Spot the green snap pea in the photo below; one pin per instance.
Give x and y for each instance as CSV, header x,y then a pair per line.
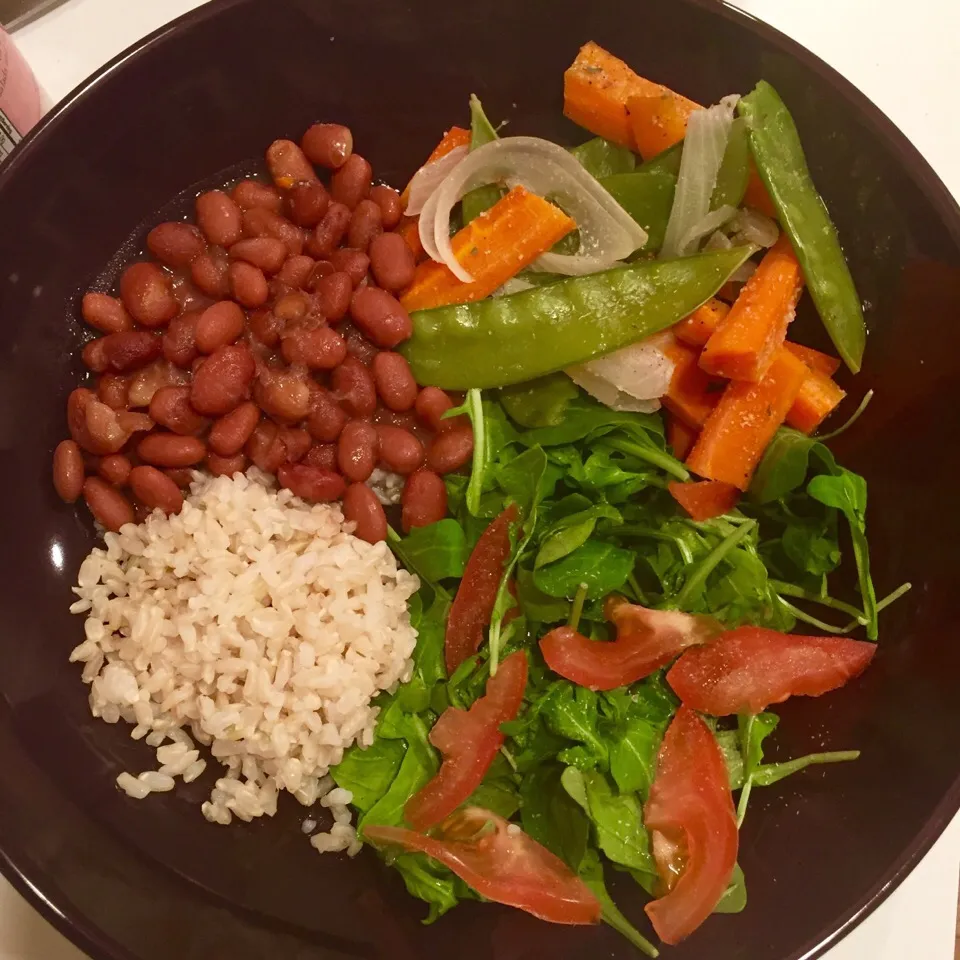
x,y
601,158
779,157
734,173
505,340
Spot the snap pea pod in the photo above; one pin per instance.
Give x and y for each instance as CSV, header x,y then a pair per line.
x,y
481,131
505,340
734,173
779,157
601,158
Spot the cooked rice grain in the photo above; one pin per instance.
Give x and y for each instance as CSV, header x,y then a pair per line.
x,y
254,624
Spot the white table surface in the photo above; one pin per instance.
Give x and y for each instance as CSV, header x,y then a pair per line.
x,y
903,56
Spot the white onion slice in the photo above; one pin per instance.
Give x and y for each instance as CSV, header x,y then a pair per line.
x,y
751,226
429,177
609,395
718,241
712,222
513,285
607,232
703,148
744,272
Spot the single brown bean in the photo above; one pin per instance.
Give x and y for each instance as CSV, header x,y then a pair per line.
x,y
400,450
391,207
265,326
365,224
219,325
362,508
68,470
219,217
322,455
432,403
353,386
250,194
321,269
77,415
310,483
209,273
115,469
180,339
170,450
265,447
351,183
106,313
357,344
108,505
170,407
357,450
394,380
423,501
131,350
354,263
155,489
113,389
297,442
308,203
220,383
283,395
333,294
319,349
327,144
248,285
176,244
296,271
267,253
231,432
288,164
226,466
407,420
329,231
451,450
292,307
147,294
380,316
392,262
94,355
181,476
326,417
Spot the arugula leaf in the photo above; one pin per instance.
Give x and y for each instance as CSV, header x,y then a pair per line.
x,y
601,158
811,544
429,668
784,466
729,743
633,756
591,872
367,773
428,881
566,533
438,550
541,402
498,791
753,730
617,818
482,131
603,567
572,712
734,899
551,817
537,605
770,773
586,419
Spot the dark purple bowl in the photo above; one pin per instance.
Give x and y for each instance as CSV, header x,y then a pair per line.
x,y
153,880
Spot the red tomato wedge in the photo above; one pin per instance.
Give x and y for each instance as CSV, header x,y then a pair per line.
x,y
501,863
646,640
705,499
695,839
749,668
473,605
468,740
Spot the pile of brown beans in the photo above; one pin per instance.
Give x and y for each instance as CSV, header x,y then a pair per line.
x,y
264,334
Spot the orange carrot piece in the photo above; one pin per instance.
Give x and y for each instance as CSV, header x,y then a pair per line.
x,y
756,195
453,138
700,325
704,499
744,421
814,359
493,248
658,122
819,396
680,436
745,343
409,229
596,89
692,394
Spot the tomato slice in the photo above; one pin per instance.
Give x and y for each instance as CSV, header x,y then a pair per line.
x,y
749,668
695,839
705,499
473,605
468,740
646,640
501,863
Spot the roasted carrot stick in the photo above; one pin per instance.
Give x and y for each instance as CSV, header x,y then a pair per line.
x,y
756,195
700,325
493,247
658,122
745,343
409,229
744,421
454,137
704,499
814,359
692,394
819,396
680,436
596,89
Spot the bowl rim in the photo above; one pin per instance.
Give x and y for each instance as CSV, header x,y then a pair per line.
x,y
16,866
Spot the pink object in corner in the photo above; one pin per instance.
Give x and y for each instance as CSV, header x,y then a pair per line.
x,y
19,96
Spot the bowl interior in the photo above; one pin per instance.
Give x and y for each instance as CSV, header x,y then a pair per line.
x,y
154,879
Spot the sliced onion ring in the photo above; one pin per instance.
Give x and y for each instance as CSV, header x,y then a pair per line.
x,y
607,232
426,180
